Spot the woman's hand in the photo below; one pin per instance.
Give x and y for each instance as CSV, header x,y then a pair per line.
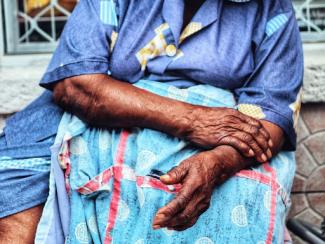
x,y
212,127
105,102
199,175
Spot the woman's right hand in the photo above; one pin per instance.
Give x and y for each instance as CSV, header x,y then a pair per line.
x,y
212,127
104,102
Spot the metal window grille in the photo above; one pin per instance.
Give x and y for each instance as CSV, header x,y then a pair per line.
x,y
311,19
34,26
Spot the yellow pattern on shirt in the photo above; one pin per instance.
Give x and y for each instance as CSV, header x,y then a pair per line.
x,y
189,30
251,110
114,36
295,107
155,47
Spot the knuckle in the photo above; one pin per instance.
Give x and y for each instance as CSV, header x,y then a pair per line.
x,y
185,217
169,210
264,144
248,138
182,200
266,133
258,150
175,173
254,130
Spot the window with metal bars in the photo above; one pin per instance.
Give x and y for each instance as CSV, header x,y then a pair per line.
x,y
34,26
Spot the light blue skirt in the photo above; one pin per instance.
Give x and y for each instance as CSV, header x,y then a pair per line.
x,y
114,197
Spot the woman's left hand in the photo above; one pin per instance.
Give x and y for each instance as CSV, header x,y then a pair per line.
x,y
199,175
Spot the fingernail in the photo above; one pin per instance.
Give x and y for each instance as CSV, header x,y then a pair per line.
x,y
156,227
264,158
160,216
165,178
269,153
251,152
270,143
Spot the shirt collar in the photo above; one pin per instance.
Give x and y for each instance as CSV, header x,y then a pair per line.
x,y
173,14
207,14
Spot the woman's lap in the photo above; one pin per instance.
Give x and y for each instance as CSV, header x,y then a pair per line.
x,y
111,181
249,207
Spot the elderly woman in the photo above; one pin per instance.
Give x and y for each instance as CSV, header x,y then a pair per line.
x,y
175,116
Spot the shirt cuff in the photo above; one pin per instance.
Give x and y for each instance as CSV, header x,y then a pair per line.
x,y
259,112
73,69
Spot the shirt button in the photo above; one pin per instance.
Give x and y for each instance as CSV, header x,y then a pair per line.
x,y
171,50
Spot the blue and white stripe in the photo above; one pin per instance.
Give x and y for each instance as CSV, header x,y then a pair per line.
x,y
108,13
275,23
37,164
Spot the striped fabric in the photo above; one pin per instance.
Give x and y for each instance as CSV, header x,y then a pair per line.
x,y
108,12
275,23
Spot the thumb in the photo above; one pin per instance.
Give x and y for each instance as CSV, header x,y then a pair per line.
x,y
176,175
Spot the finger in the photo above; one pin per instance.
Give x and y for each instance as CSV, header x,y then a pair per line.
x,y
258,124
238,144
267,135
176,205
192,211
177,174
259,153
185,225
249,119
258,134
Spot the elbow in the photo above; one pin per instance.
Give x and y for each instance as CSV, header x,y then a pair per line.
x,y
72,95
63,92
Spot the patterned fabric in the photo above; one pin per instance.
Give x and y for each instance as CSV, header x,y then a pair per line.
x,y
114,196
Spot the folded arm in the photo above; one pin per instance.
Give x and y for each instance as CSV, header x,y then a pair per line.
x,y
105,102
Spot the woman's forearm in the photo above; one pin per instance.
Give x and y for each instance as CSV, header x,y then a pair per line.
x,y
108,103
104,102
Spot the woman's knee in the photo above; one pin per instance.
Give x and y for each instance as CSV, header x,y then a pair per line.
x,y
20,227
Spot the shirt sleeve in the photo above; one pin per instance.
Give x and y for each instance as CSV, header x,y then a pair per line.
x,y
273,91
84,46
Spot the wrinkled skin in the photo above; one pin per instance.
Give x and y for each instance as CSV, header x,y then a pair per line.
x,y
212,127
233,140
199,175
121,105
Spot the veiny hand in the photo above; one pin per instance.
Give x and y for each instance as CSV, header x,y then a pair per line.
x,y
212,127
198,175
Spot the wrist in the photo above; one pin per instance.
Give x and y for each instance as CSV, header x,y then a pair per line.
x,y
183,120
230,159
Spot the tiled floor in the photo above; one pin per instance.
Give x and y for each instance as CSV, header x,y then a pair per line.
x,y
308,193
